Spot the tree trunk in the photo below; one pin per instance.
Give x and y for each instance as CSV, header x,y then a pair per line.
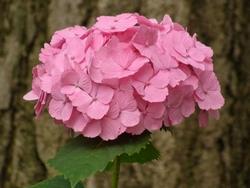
x,y
216,156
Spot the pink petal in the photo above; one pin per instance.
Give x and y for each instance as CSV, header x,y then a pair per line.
x,y
213,101
138,63
111,70
187,107
92,129
56,92
128,103
55,109
96,40
205,49
176,75
65,33
179,57
69,78
97,110
196,54
156,110
41,103
175,116
191,80
139,87
146,36
195,64
167,21
130,119
123,56
200,94
66,111
152,124
85,83
127,36
160,80
75,49
114,110
136,130
105,94
209,81
141,104
95,74
30,96
175,98
117,23
68,89
152,23
79,30
80,98
144,74
46,83
178,27
77,121
153,94
111,129
162,60
188,41
180,48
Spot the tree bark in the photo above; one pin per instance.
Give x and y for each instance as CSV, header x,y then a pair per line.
x,y
216,156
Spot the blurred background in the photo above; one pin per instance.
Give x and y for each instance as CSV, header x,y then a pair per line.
x,y
215,156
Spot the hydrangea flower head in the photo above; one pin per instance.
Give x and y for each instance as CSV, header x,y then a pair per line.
x,y
126,73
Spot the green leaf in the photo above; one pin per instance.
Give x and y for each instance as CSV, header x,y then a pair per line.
x,y
146,154
56,182
82,157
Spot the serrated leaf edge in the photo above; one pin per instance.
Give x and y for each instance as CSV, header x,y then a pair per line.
x,y
73,184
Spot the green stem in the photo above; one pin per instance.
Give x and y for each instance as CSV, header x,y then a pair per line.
x,y
116,171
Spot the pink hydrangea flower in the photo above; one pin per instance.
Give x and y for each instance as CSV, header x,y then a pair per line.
x,y
125,74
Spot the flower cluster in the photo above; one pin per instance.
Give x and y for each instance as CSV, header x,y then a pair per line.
x,y
126,73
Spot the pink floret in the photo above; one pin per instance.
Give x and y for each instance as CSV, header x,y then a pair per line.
x,y
125,74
